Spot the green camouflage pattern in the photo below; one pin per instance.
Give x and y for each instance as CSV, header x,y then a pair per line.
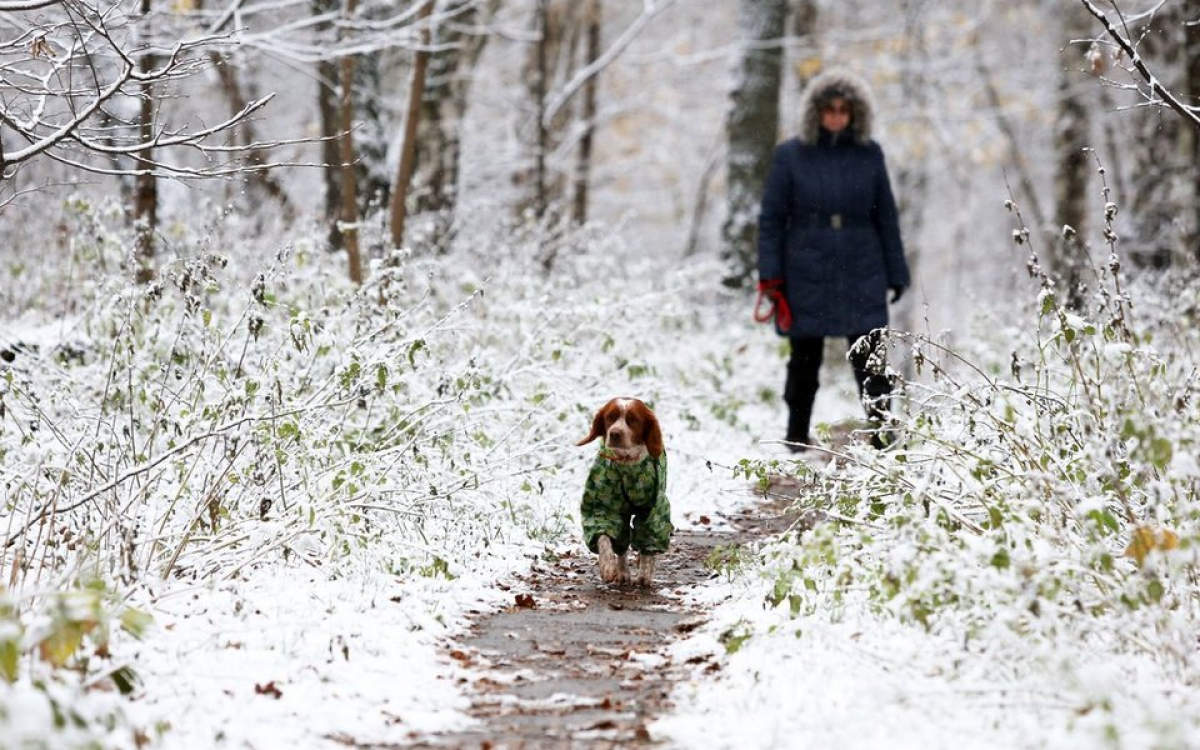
x,y
628,504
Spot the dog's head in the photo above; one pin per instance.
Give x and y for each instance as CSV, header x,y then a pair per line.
x,y
629,429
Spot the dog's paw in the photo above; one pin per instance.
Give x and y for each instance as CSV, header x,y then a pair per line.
x,y
622,570
645,572
611,564
609,568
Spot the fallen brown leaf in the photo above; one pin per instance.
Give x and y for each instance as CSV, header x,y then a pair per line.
x,y
687,626
268,689
525,601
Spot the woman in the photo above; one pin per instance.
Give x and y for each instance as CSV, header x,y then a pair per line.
x,y
829,246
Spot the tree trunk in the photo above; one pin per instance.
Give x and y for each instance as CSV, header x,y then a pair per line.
x,y
374,135
434,186
1159,195
752,126
1191,149
327,106
145,191
1071,135
584,165
541,144
408,144
349,192
551,60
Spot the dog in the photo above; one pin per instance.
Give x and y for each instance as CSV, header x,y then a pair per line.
x,y
625,498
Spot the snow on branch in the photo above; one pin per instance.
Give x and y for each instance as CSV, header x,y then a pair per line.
x,y
1157,89
648,14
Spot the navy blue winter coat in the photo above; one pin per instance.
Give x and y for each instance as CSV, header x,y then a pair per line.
x,y
828,227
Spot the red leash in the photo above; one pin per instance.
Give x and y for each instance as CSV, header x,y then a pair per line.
x,y
772,291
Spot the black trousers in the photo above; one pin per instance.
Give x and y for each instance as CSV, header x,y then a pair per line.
x,y
867,358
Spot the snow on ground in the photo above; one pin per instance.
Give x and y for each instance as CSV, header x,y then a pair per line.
x,y
289,658
869,683
283,653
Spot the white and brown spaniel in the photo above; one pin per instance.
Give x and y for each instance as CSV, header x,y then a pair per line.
x,y
625,498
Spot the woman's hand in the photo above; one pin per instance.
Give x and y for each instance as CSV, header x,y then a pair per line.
x,y
771,290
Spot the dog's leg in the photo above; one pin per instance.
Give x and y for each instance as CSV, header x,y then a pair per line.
x,y
623,568
645,572
611,564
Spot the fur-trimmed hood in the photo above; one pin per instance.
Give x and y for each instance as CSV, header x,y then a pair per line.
x,y
830,84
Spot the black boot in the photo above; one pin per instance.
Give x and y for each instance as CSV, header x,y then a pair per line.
x,y
797,429
800,390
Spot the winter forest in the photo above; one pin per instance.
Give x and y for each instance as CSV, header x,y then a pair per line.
x,y
306,305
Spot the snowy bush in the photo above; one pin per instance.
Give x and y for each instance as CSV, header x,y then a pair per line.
x,y
1043,501
252,408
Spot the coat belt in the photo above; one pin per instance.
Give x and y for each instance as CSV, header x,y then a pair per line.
x,y
818,220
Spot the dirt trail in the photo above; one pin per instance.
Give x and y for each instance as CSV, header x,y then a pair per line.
x,y
576,663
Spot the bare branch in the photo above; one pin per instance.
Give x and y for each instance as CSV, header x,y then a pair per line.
x,y
188,139
1135,59
649,13
16,6
66,129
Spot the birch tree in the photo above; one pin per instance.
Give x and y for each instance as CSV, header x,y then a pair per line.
x,y
752,126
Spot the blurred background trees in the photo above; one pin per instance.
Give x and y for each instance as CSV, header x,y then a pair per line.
x,y
658,113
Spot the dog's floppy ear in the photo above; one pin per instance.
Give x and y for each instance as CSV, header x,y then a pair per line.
x,y
597,428
653,433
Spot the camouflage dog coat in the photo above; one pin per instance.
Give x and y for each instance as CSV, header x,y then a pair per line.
x,y
628,504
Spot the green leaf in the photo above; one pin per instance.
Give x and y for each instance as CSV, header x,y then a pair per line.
x,y
1105,520
995,518
733,641
1047,304
62,643
350,374
10,657
135,622
125,679
1161,452
1001,560
413,349
1154,590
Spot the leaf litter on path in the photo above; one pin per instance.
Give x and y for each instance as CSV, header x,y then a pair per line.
x,y
578,663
